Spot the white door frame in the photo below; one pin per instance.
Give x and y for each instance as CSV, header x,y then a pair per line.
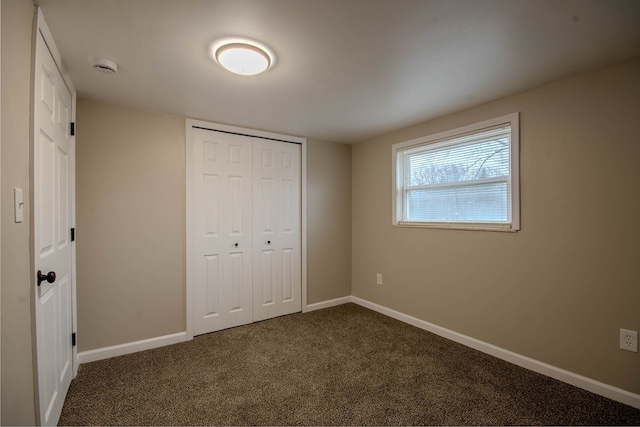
x,y
190,124
0,188
42,28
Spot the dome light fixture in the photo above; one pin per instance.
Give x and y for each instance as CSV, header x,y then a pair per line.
x,y
242,56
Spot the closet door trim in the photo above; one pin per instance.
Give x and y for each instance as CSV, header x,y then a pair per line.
x,y
190,273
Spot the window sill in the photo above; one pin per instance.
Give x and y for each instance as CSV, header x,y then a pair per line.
x,y
458,226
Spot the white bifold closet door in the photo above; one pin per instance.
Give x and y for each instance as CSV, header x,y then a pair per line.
x,y
223,227
277,260
246,226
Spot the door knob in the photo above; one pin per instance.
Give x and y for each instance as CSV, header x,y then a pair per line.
x,y
268,242
236,245
50,277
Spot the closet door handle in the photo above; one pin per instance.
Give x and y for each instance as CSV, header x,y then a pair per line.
x,y
235,245
268,242
50,277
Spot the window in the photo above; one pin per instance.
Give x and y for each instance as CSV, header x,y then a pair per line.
x,y
466,178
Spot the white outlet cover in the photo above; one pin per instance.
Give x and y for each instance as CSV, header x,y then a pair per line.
x,y
379,279
629,340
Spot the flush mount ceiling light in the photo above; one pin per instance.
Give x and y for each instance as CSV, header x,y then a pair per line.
x,y
242,56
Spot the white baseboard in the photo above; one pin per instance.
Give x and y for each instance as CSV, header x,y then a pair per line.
x,y
328,303
131,347
568,377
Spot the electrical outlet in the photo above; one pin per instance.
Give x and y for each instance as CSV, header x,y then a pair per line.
x,y
629,340
379,279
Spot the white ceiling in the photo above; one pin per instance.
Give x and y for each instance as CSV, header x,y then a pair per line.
x,y
346,70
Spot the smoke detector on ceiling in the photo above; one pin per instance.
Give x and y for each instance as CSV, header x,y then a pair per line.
x,y
104,65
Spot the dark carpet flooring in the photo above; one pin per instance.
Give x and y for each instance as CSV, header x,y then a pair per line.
x,y
345,365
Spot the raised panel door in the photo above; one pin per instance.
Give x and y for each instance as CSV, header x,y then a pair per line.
x,y
222,209
52,245
276,228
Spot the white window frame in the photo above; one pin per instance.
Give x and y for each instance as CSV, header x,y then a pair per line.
x,y
514,164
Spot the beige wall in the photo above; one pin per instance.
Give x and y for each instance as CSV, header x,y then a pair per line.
x,y
328,221
557,291
131,223
130,211
17,369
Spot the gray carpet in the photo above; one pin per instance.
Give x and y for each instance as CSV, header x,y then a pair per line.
x,y
344,365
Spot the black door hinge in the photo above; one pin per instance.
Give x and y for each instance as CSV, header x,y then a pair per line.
x,y
73,234
73,128
73,339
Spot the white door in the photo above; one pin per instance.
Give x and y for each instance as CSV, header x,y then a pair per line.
x,y
276,229
222,227
52,226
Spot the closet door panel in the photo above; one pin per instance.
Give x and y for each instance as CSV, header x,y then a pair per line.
x,y
289,229
265,224
223,227
277,279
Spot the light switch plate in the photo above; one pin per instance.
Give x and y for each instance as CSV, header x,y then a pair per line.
x,y
19,204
